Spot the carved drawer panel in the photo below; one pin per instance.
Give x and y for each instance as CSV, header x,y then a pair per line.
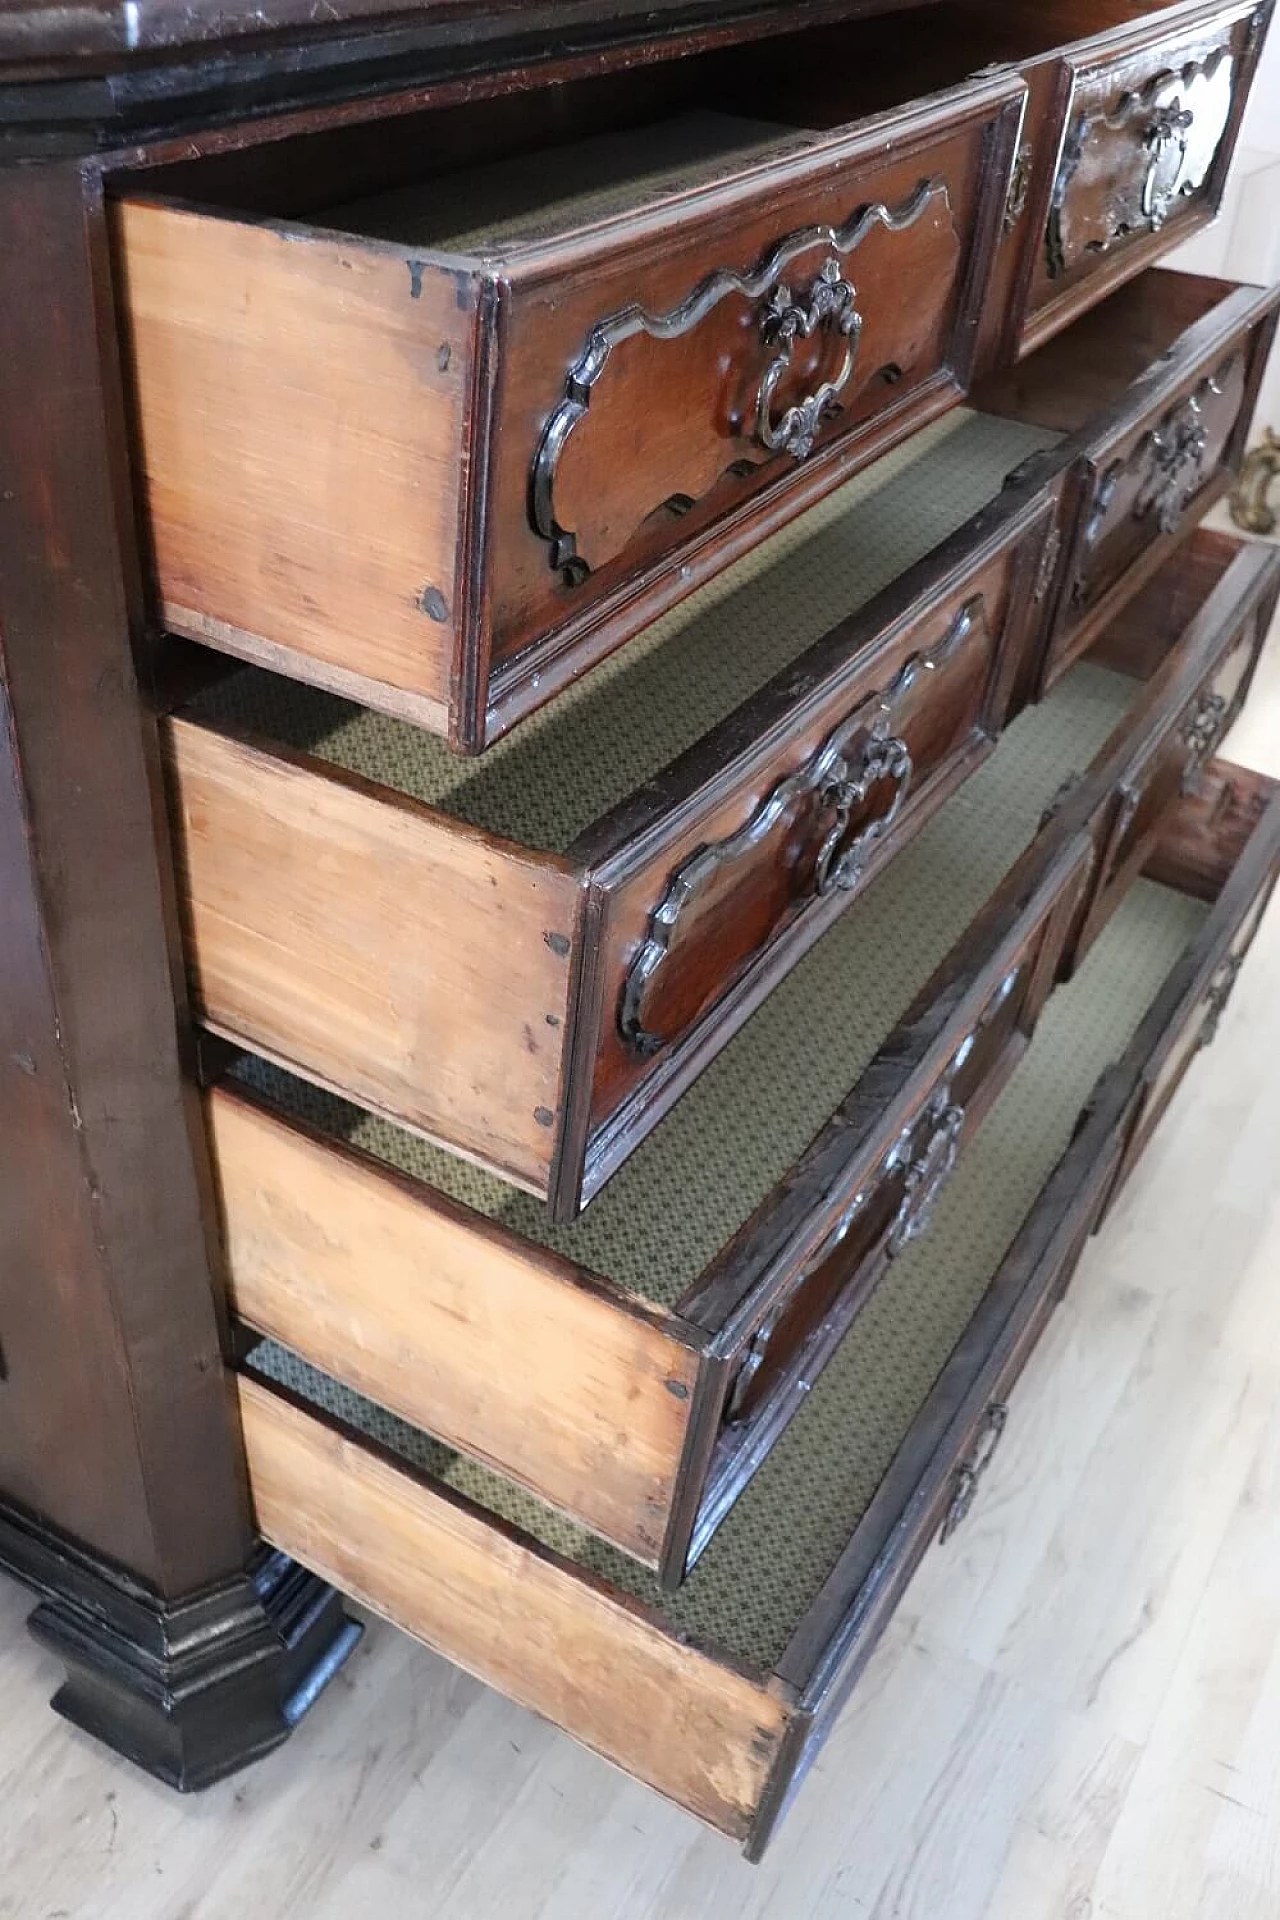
x,y
1155,389
530,958
1221,843
718,1694
442,447
1194,636
1148,130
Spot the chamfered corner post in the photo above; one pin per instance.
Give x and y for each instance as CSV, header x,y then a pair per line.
x,y
123,1504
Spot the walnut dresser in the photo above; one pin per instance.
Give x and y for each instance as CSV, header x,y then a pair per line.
x,y
612,829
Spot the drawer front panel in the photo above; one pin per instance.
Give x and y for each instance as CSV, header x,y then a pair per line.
x,y
896,1206
873,1179
750,875
1152,483
1169,767
418,966
733,350
1147,142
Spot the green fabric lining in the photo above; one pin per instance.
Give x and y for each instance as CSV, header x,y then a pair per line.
x,y
619,725
487,210
659,1221
769,1560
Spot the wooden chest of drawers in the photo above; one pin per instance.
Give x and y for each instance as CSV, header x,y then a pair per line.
x,y
641,1159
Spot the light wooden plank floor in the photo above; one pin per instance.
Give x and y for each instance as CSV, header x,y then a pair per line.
x,y
1076,1715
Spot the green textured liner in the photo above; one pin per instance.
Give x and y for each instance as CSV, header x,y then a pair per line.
x,y
736,1131
771,1556
489,209
618,726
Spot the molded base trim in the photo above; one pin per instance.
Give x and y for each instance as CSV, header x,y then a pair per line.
x,y
190,1690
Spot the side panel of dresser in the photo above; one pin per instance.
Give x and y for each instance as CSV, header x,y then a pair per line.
x,y
114,1426
304,411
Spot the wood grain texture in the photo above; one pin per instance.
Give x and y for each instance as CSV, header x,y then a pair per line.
x,y
115,1423
486,1340
301,404
1100,225
399,956
1075,1705
695,1730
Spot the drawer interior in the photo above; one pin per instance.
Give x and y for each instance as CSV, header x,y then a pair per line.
x,y
615,142
721,1150
1073,379
620,724
1137,638
752,1587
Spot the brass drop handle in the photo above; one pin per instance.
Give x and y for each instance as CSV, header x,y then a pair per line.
x,y
829,305
926,1176
969,1473
1166,135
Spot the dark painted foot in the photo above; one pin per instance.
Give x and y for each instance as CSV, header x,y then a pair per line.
x,y
190,1690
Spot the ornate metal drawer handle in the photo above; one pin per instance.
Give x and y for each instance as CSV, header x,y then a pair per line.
x,y
1201,734
926,1176
884,757
1249,507
1178,454
851,762
1169,128
969,1473
1220,990
829,305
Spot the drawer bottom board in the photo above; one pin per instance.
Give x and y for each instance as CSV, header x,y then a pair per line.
x,y
753,1596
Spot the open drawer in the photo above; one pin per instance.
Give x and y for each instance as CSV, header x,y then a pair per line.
x,y
1125,144
718,1695
1191,638
440,446
1147,119
1155,389
1220,844
531,958
635,1366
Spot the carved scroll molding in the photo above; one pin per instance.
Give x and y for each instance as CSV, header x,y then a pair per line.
x,y
1177,120
829,303
1169,464
862,753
